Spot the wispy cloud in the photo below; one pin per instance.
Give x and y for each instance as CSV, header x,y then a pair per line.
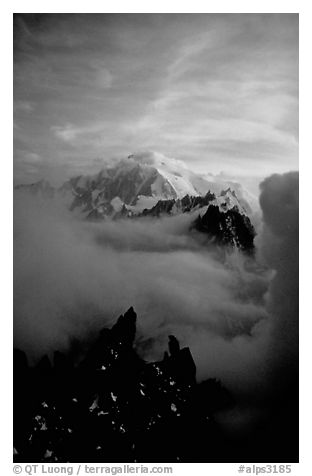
x,y
67,133
103,78
23,106
218,91
32,157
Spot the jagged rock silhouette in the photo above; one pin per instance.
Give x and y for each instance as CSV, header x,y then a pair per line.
x,y
182,205
227,227
113,406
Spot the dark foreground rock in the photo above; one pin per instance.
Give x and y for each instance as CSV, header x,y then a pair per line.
x,y
115,407
106,404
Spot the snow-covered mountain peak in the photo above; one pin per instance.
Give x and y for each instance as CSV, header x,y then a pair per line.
x,y
158,161
228,200
139,182
174,171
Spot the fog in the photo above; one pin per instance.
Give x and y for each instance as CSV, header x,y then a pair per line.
x,y
238,314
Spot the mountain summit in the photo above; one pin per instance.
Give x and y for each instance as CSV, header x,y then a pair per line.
x,y
152,185
139,182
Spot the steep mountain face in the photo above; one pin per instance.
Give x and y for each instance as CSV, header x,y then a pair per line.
x,y
115,407
227,227
127,181
225,201
147,185
152,185
222,217
137,182
179,205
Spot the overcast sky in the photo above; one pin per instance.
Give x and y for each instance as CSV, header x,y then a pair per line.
x,y
217,91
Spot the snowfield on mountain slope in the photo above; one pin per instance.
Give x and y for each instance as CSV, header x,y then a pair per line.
x,y
228,200
140,181
181,178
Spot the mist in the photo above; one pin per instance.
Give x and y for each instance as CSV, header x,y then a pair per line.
x,y
237,314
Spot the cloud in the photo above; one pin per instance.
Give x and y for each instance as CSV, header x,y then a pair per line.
x,y
81,136
32,158
67,133
239,316
24,106
208,89
103,78
279,244
71,275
